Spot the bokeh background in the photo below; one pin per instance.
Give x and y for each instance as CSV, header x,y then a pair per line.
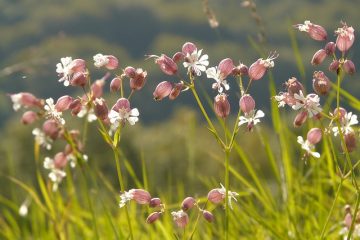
x,y
171,138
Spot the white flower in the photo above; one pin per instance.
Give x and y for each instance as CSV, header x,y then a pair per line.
x,y
310,103
89,113
124,115
42,139
51,111
231,195
304,27
195,62
16,99
100,60
56,175
216,74
251,118
308,147
280,99
126,197
64,69
346,123
24,208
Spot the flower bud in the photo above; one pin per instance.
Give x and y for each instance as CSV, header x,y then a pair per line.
x,y
60,160
79,79
179,56
167,65
215,196
141,196
188,48
75,106
188,203
138,81
349,67
240,70
153,217
294,86
100,108
24,99
318,57
181,218
350,141
345,37
78,65
300,118
97,88
321,83
314,135
121,103
29,117
221,106
154,202
63,103
247,103
258,69
334,66
162,90
113,62
208,216
130,72
330,48
115,84
175,92
51,128
225,67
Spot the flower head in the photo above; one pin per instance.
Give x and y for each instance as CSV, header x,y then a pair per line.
x,y
121,112
67,67
139,195
308,147
219,74
51,111
345,37
109,61
258,69
218,194
194,62
252,118
310,103
348,120
316,32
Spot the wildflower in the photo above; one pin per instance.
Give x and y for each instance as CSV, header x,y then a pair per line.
x,y
349,67
139,195
115,84
180,218
208,216
100,108
175,91
29,117
130,72
293,86
41,139
24,99
56,175
162,90
138,81
97,88
166,64
51,128
79,79
309,103
285,98
109,61
318,57
300,118
63,103
345,37
316,32
121,112
219,74
321,83
218,194
155,202
247,103
64,70
221,105
258,69
194,62
346,122
188,203
334,66
313,137
52,112
251,118
330,48
153,217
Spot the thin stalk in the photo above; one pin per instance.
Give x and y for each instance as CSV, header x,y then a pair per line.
x,y
227,183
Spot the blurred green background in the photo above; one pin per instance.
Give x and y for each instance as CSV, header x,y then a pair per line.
x,y
175,144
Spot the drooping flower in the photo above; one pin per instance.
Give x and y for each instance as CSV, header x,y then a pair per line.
x,y
258,69
121,112
217,195
252,118
220,73
109,61
221,105
310,103
139,195
24,99
316,32
51,111
194,62
345,37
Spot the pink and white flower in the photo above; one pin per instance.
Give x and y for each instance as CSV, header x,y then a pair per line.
x,y
346,122
121,112
194,62
220,73
56,175
252,118
51,112
310,103
308,147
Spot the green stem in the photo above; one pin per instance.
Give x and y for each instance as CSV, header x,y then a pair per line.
x,y
227,183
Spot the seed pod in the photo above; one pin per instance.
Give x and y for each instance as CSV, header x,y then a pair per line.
x,y
318,57
221,106
321,83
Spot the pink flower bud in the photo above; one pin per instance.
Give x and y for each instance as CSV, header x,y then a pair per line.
x,y
240,70
63,103
294,86
29,117
78,65
113,62
24,99
334,66
141,196
100,108
300,118
138,81
175,92
247,103
321,83
345,37
330,48
155,202
60,160
51,128
180,218
115,84
314,135
188,48
179,56
79,79
316,32
215,196
350,141
153,217
97,88
130,72
208,216
188,203
318,57
258,69
162,90
225,67
121,103
221,106
75,106
349,67
167,65
348,220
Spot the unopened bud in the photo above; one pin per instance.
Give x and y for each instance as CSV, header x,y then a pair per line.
x,y
221,106
100,108
78,65
215,196
225,67
51,128
153,217
138,81
167,65
208,216
300,118
314,135
130,72
162,90
188,48
179,56
330,48
115,84
28,117
318,57
113,62
79,79
321,83
247,103
294,86
63,103
334,66
349,67
155,202
188,203
60,160
175,92
350,141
